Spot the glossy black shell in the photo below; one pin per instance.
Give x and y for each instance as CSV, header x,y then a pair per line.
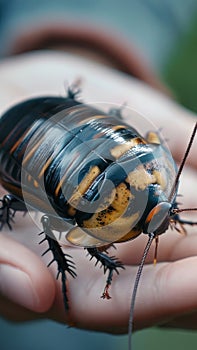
x,y
60,157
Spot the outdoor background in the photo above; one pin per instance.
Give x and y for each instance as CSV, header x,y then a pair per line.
x,y
166,34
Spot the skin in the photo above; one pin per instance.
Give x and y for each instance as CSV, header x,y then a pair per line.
x,y
167,291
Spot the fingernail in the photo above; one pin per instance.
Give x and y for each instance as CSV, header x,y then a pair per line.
x,y
17,286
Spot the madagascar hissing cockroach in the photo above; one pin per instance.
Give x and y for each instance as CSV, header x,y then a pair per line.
x,y
90,171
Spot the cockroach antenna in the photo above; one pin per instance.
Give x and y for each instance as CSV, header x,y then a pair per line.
x,y
154,235
176,182
135,288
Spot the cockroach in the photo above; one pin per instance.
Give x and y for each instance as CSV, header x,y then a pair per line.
x,y
89,171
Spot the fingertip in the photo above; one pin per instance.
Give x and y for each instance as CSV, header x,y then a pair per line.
x,y
165,292
24,279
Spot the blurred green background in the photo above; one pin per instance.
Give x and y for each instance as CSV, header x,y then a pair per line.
x,y
166,33
180,72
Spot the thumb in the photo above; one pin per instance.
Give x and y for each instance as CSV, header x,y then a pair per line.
x,y
24,279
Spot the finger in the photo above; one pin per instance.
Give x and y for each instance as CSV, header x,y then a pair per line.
x,y
172,246
179,144
24,279
166,291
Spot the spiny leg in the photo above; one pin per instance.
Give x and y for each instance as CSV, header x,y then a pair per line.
x,y
109,263
187,222
9,205
64,264
117,111
176,220
74,90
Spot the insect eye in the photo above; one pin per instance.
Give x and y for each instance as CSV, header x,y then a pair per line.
x,y
157,220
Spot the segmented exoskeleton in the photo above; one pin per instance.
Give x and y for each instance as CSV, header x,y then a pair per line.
x,y
88,171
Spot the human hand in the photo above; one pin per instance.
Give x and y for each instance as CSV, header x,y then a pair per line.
x,y
167,292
